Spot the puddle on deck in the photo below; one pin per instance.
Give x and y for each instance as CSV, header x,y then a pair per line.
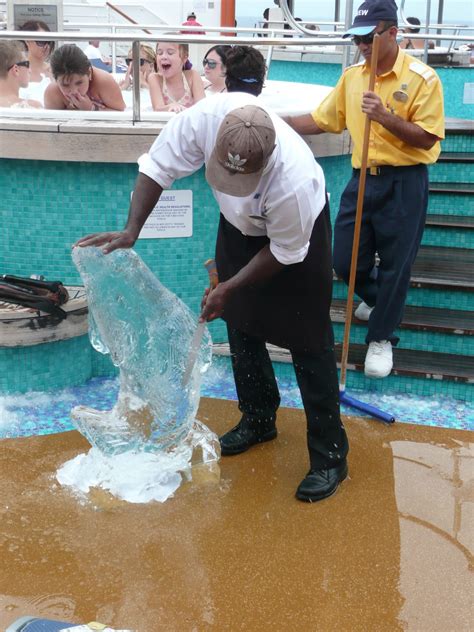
x,y
392,550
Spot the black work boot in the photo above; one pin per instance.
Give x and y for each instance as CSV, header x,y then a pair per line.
x,y
247,432
319,484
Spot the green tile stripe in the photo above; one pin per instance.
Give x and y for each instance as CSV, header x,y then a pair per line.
x,y
452,172
392,384
427,297
451,204
448,237
418,340
458,143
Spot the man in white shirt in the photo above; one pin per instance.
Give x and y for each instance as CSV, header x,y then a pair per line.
x,y
273,258
92,51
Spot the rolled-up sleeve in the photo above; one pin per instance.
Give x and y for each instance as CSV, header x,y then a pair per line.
x,y
178,151
330,115
428,107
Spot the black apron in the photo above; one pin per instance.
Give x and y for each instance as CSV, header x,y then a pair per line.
x,y
291,310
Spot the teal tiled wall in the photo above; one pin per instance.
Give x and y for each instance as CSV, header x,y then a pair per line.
x,y
427,297
452,172
51,204
391,384
44,367
419,340
451,203
458,143
322,74
457,238
46,206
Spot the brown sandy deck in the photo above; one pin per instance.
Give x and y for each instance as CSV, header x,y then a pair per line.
x,y
392,550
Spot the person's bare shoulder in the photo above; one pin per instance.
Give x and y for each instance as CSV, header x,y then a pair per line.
x,y
196,83
155,79
102,77
108,90
53,98
192,75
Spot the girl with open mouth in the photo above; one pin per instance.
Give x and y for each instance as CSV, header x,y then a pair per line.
x,y
172,88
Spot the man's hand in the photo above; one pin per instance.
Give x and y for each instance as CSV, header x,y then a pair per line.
x,y
262,267
408,132
374,108
145,196
111,241
214,301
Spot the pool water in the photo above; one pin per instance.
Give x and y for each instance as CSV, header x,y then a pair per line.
x,y
46,413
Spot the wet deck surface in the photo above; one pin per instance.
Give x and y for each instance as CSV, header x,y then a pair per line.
x,y
392,550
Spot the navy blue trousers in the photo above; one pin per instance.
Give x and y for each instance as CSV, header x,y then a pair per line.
x,y
316,374
393,220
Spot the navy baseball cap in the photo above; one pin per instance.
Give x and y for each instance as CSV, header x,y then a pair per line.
x,y
370,13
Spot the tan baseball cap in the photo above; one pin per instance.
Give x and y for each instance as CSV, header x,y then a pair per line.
x,y
245,141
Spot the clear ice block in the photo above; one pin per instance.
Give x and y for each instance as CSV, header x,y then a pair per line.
x,y
147,330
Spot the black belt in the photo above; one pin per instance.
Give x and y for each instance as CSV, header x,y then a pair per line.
x,y
383,169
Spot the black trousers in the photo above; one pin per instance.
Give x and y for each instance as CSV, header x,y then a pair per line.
x,y
317,379
393,220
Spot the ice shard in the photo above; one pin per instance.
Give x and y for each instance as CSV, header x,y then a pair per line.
x,y
147,330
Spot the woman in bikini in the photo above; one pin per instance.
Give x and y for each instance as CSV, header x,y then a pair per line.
x,y
172,88
79,86
147,67
214,69
38,52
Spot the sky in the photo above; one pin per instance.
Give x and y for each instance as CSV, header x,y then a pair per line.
x,y
455,11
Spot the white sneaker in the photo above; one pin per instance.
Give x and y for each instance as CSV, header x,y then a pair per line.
x,y
379,359
363,311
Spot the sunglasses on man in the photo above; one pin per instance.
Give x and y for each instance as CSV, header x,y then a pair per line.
x,y
367,39
25,64
129,60
43,44
209,62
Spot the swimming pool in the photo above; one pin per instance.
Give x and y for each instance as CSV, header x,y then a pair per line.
x,y
41,413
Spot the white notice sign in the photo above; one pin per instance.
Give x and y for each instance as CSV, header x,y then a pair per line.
x,y
171,217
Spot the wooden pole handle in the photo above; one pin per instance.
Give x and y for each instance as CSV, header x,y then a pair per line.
x,y
358,220
211,268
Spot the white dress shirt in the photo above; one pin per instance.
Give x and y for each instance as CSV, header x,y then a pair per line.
x,y
291,192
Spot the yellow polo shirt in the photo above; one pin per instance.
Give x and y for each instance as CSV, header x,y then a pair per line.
x,y
411,90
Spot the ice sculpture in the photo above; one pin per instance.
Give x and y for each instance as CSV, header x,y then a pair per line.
x,y
148,331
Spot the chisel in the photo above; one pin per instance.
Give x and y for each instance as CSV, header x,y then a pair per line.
x,y
210,266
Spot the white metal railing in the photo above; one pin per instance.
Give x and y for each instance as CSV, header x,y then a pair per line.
x,y
167,33
172,33
299,26
113,28
266,34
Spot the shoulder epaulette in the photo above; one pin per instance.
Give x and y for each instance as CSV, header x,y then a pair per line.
x,y
360,63
424,71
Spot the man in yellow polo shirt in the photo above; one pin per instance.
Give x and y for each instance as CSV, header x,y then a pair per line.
x,y
406,111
